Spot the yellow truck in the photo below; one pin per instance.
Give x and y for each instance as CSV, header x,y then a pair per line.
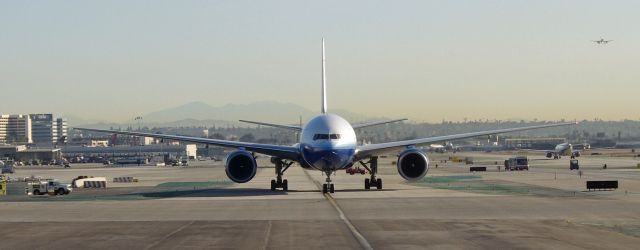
x,y
3,185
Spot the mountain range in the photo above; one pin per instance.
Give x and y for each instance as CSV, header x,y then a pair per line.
x,y
203,114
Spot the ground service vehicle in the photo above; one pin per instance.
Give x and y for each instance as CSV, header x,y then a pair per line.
x,y
3,186
573,164
516,163
8,169
48,187
356,170
7,166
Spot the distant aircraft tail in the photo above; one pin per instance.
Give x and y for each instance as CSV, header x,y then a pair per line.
x,y
324,82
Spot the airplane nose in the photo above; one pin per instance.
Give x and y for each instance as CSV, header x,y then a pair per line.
x,y
329,159
333,157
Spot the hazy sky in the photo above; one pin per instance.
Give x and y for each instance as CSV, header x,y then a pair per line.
x,y
426,60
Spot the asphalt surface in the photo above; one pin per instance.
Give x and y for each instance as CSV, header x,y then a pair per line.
x,y
195,208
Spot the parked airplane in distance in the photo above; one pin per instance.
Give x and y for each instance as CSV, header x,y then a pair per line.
x,y
563,149
442,148
327,143
602,41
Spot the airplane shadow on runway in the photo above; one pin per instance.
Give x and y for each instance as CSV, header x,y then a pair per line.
x,y
236,192
211,192
363,190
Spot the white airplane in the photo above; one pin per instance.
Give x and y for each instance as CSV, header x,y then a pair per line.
x,y
563,149
328,144
441,148
602,41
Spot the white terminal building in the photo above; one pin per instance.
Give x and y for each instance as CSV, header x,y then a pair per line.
x,y
39,129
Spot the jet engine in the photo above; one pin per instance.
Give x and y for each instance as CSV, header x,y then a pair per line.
x,y
549,155
241,166
413,164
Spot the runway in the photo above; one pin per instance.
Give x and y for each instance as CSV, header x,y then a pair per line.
x,y
551,213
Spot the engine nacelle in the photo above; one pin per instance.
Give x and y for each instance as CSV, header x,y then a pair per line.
x,y
549,155
413,164
240,166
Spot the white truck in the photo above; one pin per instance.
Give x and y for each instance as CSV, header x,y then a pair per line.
x,y
48,187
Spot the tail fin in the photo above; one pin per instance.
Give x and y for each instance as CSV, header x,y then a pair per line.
x,y
324,82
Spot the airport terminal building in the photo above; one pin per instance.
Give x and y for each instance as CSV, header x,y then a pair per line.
x,y
22,153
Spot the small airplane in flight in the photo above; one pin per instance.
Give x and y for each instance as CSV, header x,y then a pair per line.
x,y
602,41
327,143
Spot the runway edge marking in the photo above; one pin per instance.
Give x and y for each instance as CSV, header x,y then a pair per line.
x,y
361,239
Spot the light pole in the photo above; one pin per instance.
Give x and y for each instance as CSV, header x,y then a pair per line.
x,y
139,119
141,143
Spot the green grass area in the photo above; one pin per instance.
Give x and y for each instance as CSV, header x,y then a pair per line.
x,y
475,184
449,179
628,228
631,230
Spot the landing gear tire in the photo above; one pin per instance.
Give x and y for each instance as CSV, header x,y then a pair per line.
x,y
280,168
284,184
373,170
331,189
324,188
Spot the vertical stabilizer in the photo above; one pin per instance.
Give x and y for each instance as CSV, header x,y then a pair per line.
x,y
324,82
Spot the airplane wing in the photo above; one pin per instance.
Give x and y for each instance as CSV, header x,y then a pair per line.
x,y
364,125
366,151
285,152
292,127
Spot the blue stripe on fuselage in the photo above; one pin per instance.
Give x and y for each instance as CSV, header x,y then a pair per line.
x,y
327,158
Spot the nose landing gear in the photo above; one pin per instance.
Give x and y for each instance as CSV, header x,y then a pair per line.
x,y
328,187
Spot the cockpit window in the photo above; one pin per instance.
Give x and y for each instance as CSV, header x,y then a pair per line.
x,y
320,137
326,137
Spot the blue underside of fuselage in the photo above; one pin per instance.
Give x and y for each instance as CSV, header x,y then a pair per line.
x,y
327,158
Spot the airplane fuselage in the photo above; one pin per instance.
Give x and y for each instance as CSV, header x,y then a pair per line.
x,y
564,149
327,143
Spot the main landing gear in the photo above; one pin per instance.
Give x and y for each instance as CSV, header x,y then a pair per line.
x,y
328,187
373,169
281,166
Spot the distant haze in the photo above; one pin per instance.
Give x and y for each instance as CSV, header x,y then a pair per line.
x,y
424,60
260,111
